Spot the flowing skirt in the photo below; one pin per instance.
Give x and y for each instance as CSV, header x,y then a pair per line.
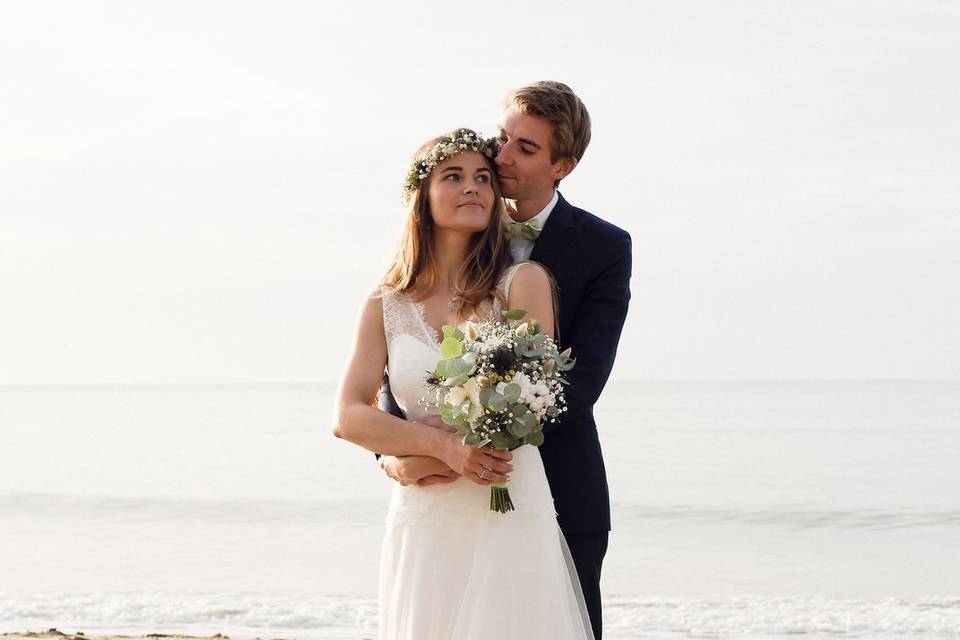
x,y
451,569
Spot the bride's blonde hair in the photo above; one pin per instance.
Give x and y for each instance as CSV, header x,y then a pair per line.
x,y
413,268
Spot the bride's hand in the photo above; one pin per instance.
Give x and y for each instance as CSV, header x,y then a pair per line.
x,y
482,465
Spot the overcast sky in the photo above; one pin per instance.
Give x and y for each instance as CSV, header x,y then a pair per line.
x,y
203,191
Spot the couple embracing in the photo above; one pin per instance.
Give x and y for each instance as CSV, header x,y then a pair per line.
x,y
487,231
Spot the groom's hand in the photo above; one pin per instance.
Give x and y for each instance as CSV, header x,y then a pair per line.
x,y
391,467
421,470
438,478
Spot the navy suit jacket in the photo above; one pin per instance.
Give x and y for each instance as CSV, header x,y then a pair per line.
x,y
591,261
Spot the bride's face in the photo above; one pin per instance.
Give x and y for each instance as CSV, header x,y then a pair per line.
x,y
461,193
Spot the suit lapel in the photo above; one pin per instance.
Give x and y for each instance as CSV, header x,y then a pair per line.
x,y
556,235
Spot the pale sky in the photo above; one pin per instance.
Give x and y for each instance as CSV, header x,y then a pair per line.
x,y
204,191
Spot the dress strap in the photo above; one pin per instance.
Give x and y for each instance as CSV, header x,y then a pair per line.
x,y
508,278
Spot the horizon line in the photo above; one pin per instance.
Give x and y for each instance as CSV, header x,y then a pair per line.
x,y
306,383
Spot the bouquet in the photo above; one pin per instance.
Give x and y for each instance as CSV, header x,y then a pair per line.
x,y
498,383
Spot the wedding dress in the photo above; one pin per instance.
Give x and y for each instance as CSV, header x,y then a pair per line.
x,y
450,568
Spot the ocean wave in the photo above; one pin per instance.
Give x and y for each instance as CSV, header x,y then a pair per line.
x,y
624,617
875,519
236,511
359,510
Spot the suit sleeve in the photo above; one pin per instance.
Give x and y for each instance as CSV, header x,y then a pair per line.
x,y
386,402
596,331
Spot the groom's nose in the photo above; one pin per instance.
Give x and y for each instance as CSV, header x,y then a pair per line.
x,y
504,155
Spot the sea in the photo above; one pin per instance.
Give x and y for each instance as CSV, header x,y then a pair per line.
x,y
764,510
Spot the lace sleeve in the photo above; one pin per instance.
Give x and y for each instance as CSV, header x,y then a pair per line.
x,y
393,315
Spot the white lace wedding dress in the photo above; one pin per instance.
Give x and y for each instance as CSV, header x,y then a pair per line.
x,y
450,568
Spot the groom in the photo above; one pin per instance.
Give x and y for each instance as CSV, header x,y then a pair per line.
x,y
544,132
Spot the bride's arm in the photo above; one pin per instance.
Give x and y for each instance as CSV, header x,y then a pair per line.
x,y
532,291
358,421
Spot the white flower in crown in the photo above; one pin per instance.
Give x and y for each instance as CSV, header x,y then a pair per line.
x,y
464,140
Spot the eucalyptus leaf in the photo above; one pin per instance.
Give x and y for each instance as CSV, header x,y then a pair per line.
x,y
471,439
451,367
535,438
451,348
456,381
514,314
511,393
518,409
504,441
497,402
519,428
529,421
446,413
485,394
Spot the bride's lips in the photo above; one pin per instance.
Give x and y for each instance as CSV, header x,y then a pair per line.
x,y
475,203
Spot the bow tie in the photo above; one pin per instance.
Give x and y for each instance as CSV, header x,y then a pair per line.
x,y
528,230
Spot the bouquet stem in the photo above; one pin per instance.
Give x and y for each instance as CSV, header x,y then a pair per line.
x,y
500,498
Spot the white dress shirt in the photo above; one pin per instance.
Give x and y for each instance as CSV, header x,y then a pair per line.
x,y
521,248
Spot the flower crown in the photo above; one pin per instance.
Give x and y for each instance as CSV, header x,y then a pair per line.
x,y
461,140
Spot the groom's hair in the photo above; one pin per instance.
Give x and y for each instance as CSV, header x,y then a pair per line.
x,y
556,103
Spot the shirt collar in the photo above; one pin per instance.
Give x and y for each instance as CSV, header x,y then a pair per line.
x,y
545,212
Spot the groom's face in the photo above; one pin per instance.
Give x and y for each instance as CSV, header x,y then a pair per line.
x,y
523,163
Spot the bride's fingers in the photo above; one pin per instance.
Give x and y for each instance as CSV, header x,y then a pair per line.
x,y
506,456
489,475
496,464
483,478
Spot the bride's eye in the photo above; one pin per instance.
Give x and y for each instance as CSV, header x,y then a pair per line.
x,y
452,176
483,178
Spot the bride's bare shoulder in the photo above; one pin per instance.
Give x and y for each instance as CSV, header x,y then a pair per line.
x,y
530,278
370,316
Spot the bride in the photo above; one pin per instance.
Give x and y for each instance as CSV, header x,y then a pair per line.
x,y
450,567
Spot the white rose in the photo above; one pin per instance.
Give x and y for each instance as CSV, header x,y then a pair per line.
x,y
456,396
472,389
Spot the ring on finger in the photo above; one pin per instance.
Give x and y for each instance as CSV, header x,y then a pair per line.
x,y
483,470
